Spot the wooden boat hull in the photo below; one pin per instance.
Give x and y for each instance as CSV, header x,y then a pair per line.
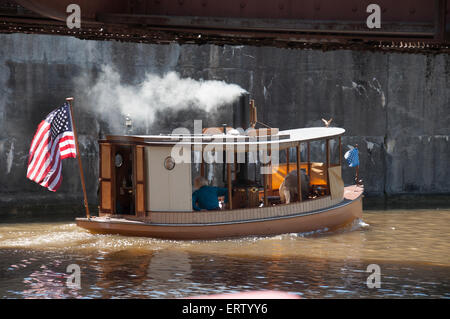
x,y
330,218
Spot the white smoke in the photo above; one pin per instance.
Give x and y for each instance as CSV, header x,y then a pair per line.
x,y
156,93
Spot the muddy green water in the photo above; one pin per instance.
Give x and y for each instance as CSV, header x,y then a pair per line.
x,y
412,249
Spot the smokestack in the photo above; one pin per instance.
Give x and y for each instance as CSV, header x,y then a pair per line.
x,y
253,114
241,119
241,115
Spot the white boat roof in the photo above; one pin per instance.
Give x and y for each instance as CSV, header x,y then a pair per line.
x,y
285,138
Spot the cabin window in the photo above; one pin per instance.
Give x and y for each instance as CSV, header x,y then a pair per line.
x,y
169,163
118,160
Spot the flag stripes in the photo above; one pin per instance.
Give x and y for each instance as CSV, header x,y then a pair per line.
x,y
53,141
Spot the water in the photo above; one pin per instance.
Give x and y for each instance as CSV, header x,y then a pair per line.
x,y
411,247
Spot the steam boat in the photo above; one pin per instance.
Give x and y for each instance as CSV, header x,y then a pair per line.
x,y
146,182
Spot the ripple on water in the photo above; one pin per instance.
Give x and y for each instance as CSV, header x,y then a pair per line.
x,y
414,239
412,249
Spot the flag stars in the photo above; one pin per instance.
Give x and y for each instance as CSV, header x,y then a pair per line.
x,y
59,122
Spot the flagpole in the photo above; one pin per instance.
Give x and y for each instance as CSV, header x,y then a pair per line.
x,y
88,215
357,168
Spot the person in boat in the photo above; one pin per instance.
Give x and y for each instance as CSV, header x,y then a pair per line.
x,y
288,188
207,197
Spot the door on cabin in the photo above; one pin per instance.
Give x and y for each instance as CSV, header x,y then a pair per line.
x,y
124,180
106,176
169,185
139,181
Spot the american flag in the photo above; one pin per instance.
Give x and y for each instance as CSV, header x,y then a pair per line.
x,y
54,141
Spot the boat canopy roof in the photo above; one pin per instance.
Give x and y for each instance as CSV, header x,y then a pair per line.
x,y
287,138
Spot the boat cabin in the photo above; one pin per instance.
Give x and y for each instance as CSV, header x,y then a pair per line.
x,y
151,177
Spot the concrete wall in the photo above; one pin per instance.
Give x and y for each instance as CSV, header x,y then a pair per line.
x,y
395,106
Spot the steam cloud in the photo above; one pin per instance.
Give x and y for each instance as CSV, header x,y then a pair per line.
x,y
156,93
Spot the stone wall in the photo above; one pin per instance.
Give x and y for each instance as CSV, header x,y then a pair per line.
x,y
395,106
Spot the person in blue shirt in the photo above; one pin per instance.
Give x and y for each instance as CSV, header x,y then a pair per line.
x,y
206,197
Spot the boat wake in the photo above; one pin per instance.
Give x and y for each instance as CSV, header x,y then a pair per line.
x,y
69,236
357,224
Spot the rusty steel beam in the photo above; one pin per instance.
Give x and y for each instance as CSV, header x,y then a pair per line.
x,y
280,29
99,32
405,11
406,24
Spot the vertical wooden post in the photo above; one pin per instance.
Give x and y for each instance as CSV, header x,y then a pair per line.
x,y
202,164
308,155
357,175
266,200
269,178
328,153
357,169
235,165
266,177
113,178
253,114
287,159
328,164
229,182
86,206
299,174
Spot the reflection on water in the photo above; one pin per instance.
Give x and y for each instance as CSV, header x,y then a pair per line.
x,y
411,247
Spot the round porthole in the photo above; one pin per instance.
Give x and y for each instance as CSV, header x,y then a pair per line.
x,y
169,163
118,161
